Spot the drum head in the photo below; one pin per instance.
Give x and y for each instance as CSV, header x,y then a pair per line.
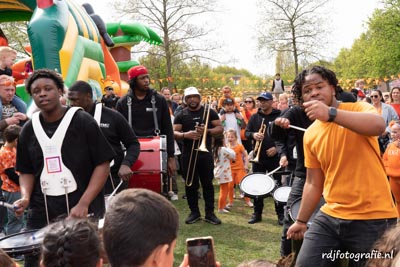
x,y
281,194
295,207
257,185
23,243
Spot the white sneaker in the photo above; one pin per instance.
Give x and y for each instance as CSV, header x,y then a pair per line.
x,y
223,211
250,204
174,197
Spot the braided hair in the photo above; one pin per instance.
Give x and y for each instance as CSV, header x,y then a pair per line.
x,y
325,73
71,243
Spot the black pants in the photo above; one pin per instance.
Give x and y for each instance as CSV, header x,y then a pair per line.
x,y
295,193
259,202
203,173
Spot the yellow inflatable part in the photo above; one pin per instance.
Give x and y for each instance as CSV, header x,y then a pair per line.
x,y
69,45
124,88
90,70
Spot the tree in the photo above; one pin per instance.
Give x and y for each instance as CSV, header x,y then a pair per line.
x,y
172,18
376,53
16,35
293,26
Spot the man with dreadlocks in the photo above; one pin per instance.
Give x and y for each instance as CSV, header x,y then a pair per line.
x,y
359,206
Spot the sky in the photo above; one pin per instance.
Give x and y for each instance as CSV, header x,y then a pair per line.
x,y
238,19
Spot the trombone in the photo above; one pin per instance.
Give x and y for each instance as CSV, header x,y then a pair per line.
x,y
200,146
257,147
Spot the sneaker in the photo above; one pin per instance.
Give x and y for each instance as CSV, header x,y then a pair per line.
x,y
227,208
249,203
192,218
211,218
19,258
241,195
174,197
223,211
229,205
255,218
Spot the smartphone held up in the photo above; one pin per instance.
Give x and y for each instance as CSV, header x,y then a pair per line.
x,y
201,251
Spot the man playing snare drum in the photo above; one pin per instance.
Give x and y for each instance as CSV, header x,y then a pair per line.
x,y
62,156
116,130
359,206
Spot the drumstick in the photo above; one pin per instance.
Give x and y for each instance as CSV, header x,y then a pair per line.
x,y
297,128
115,190
7,205
269,173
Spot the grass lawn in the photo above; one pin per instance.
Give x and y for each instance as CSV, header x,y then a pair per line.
x,y
235,240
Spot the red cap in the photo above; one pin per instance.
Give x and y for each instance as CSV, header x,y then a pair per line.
x,y
136,71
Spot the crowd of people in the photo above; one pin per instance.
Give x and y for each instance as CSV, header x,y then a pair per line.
x,y
61,162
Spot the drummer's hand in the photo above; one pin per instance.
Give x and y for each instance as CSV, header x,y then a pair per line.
x,y
296,231
20,205
171,162
283,161
125,172
282,122
79,211
271,151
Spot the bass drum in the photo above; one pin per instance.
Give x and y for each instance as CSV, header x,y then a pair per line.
x,y
295,207
23,243
257,185
151,166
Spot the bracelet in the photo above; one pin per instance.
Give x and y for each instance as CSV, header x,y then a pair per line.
x,y
300,221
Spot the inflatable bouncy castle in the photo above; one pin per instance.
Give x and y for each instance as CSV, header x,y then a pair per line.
x,y
75,42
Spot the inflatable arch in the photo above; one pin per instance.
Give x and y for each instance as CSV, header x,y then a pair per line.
x,y
75,42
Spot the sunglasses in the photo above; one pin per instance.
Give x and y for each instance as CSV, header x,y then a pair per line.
x,y
374,96
248,101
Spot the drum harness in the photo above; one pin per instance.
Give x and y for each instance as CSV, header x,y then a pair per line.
x,y
56,179
153,105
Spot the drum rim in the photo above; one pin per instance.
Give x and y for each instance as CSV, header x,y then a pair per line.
x,y
17,249
285,187
257,174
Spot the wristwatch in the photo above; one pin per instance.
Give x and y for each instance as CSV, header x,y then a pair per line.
x,y
332,114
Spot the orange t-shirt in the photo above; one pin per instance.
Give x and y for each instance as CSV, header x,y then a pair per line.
x,y
238,163
397,108
7,160
391,160
355,185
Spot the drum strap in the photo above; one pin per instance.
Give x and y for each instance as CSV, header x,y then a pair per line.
x,y
97,113
55,179
153,105
129,103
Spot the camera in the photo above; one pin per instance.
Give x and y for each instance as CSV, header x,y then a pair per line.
x,y
201,251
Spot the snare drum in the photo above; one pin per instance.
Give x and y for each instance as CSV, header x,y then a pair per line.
x,y
281,194
257,185
295,207
23,243
151,166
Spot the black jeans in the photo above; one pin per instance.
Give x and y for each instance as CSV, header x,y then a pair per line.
x,y
329,238
204,174
259,201
295,193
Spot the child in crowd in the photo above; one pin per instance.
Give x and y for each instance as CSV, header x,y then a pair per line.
x,y
7,58
239,165
230,118
71,242
222,171
391,160
9,177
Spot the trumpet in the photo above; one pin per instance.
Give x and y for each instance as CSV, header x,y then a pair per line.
x,y
257,147
201,146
